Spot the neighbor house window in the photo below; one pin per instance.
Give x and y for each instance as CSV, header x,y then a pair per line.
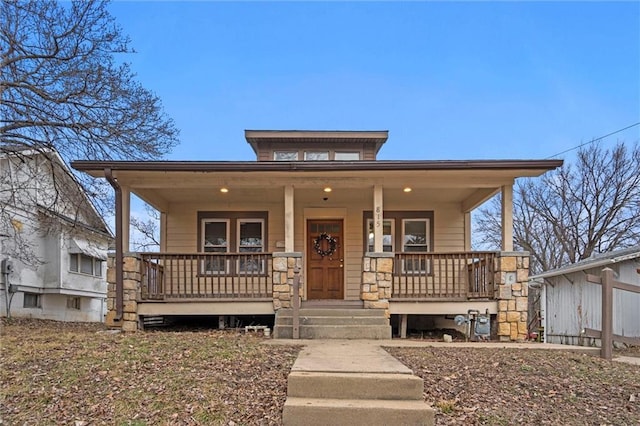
x,y
84,264
316,155
347,156
31,300
73,302
387,235
285,155
233,232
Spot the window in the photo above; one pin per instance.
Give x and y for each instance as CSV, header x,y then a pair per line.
x,y
31,300
73,303
285,155
347,156
215,239
316,155
387,235
233,232
250,240
84,264
404,232
415,238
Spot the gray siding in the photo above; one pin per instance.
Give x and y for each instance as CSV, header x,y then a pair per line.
x,y
573,304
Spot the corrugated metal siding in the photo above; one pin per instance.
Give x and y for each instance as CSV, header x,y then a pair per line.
x,y
573,304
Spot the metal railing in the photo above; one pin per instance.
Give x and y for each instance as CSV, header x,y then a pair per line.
x,y
206,276
455,275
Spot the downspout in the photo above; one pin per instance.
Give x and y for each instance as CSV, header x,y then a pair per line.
x,y
119,255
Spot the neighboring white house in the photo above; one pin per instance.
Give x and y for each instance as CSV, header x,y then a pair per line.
x,y
53,242
571,304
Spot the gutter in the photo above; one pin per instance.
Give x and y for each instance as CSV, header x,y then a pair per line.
x,y
119,252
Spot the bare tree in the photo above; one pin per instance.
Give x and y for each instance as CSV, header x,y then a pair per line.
x,y
65,89
592,206
146,230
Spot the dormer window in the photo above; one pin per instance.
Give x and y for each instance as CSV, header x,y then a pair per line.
x,y
285,155
347,156
316,155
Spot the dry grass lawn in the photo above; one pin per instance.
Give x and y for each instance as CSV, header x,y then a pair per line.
x,y
73,374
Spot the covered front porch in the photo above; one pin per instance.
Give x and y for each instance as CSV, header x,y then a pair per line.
x,y
391,236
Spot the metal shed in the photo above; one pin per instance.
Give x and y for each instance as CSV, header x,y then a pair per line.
x,y
570,304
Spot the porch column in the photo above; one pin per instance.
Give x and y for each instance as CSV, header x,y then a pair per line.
x,y
163,231
377,219
288,219
507,218
126,218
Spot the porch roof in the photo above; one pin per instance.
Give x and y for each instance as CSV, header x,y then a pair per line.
x,y
468,182
521,167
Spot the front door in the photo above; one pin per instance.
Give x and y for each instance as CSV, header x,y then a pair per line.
x,y
325,259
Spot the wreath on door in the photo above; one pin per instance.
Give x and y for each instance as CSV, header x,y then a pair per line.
x,y
331,244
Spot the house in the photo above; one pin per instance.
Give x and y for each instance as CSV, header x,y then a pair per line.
x,y
390,237
570,304
54,242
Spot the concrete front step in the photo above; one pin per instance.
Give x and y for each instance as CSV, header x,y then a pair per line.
x,y
334,332
334,320
387,386
333,323
320,412
334,312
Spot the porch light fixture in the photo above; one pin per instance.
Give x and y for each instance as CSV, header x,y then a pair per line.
x,y
327,189
224,190
407,189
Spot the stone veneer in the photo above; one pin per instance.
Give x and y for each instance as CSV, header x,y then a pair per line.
x,y
131,294
284,266
375,289
511,291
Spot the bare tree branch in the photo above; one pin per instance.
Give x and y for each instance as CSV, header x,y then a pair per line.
x,y
64,88
592,206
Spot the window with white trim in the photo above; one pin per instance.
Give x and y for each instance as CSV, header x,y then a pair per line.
x,y
83,264
387,235
215,239
403,232
415,238
250,240
239,232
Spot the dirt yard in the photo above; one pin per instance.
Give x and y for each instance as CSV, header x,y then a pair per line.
x,y
80,375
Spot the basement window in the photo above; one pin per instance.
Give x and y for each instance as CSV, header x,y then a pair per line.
x,y
31,300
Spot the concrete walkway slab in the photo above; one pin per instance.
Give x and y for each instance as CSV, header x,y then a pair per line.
x,y
347,356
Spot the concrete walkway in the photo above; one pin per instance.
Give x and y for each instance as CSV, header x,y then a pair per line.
x,y
368,355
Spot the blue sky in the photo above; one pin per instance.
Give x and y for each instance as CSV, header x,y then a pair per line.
x,y
449,80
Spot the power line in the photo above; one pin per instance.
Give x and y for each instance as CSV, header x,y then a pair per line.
x,y
595,140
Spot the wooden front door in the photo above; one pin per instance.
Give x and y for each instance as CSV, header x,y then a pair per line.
x,y
325,259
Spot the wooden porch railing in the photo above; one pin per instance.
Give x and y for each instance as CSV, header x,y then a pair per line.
x,y
206,276
456,275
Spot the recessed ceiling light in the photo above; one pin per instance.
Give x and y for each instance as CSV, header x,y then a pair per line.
x,y
328,189
407,189
224,190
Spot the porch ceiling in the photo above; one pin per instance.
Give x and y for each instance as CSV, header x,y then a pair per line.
x,y
466,182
